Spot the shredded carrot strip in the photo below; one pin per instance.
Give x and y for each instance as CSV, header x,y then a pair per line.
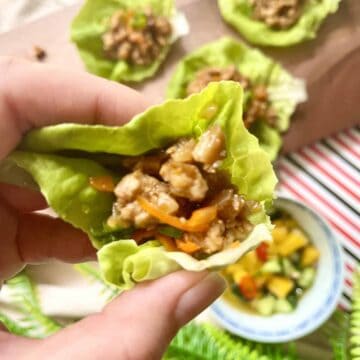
x,y
167,242
102,183
198,222
235,244
188,247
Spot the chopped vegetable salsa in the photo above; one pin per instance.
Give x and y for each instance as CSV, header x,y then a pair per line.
x,y
273,277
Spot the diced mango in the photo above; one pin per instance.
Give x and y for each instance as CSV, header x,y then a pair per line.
x,y
309,256
261,280
291,223
238,275
272,249
233,268
294,241
251,262
280,286
279,234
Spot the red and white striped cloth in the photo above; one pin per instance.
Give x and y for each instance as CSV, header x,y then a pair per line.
x,y
326,176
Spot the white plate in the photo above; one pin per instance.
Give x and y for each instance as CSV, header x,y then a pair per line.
x,y
317,304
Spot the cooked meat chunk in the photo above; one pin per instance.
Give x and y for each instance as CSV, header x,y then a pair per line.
x,y
128,212
174,187
132,214
136,37
149,164
129,187
278,14
185,180
209,74
229,204
182,150
237,230
210,146
257,107
38,53
213,240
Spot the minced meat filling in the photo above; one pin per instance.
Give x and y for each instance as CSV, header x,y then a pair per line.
x,y
209,74
258,106
277,14
137,38
187,193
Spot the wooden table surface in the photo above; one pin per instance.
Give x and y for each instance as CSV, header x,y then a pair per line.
x,y
327,64
330,65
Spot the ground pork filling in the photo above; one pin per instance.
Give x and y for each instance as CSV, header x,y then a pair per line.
x,y
181,198
257,107
135,37
277,14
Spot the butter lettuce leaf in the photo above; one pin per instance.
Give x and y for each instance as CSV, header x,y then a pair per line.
x,y
285,91
246,163
269,138
64,182
92,21
238,13
47,154
124,263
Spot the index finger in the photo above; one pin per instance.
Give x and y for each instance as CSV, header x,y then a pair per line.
x,y
34,95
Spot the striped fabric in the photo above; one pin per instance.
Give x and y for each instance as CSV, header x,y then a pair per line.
x,y
326,176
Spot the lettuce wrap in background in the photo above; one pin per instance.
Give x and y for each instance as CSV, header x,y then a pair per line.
x,y
94,20
67,161
284,91
239,14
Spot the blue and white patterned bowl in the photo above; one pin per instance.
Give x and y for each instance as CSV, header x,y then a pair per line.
x,y
317,304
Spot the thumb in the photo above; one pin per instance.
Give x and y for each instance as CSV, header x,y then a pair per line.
x,y
140,323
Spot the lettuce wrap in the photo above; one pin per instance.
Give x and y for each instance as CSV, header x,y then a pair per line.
x,y
285,92
239,14
72,164
93,21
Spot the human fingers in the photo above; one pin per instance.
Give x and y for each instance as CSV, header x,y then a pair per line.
x,y
34,95
22,199
35,238
139,324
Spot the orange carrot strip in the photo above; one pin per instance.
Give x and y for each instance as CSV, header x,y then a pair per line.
x,y
167,242
198,222
103,183
203,216
187,246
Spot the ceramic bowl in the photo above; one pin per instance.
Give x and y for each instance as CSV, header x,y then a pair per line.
x,y
317,304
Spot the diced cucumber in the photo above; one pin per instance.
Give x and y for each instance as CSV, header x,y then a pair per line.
x,y
235,290
264,306
295,258
289,269
283,306
271,267
307,277
293,299
294,296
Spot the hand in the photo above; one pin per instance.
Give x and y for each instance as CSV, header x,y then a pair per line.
x,y
140,323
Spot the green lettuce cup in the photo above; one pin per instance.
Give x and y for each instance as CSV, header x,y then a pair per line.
x,y
76,167
284,91
241,15
109,49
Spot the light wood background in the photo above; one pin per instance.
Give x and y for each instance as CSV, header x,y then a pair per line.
x,y
330,65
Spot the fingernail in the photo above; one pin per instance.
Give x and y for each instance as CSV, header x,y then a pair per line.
x,y
199,297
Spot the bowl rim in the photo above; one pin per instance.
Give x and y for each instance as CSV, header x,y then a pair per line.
x,y
323,311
